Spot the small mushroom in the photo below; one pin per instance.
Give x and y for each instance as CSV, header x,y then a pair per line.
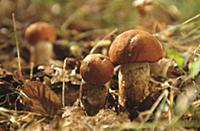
x,y
41,36
133,50
96,70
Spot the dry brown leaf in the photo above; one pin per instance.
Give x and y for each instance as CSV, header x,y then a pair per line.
x,y
40,98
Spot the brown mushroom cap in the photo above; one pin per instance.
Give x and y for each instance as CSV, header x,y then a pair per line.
x,y
40,31
96,69
135,46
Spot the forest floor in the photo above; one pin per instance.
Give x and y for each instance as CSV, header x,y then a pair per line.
x,y
31,96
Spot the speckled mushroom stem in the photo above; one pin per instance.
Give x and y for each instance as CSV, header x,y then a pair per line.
x,y
133,84
43,52
93,97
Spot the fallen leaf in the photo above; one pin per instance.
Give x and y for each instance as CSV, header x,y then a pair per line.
x,y
39,98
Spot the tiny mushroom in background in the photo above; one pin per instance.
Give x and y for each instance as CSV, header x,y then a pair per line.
x,y
96,70
41,36
133,50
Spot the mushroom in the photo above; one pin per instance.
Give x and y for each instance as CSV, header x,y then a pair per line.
x,y
41,35
133,50
96,70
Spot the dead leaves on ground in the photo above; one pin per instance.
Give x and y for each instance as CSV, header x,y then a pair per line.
x,y
38,97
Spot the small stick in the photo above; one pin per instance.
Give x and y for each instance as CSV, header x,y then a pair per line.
x,y
83,10
17,46
99,43
171,98
191,19
63,84
160,98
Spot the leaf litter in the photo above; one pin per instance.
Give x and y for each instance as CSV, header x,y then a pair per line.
x,y
34,102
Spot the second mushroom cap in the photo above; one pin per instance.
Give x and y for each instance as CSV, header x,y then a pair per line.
x,y
96,69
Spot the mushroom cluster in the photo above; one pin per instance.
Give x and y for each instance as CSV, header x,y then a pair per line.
x,y
96,70
41,36
133,50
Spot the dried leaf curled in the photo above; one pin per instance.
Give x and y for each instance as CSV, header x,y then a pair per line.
x,y
40,98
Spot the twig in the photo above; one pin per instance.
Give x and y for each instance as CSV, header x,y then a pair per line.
x,y
100,42
17,46
191,19
9,111
190,25
88,33
171,99
150,112
63,84
83,10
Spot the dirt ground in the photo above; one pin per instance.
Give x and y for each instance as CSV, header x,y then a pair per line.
x,y
32,83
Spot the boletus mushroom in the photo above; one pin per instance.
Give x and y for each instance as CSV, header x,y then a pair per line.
x,y
41,36
133,50
96,70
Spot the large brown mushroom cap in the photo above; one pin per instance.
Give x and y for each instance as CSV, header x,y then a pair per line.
x,y
135,46
96,69
40,31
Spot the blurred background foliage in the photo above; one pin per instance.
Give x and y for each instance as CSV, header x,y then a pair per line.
x,y
98,13
91,20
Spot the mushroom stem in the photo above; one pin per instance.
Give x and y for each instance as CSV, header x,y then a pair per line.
x,y
93,97
133,84
43,52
